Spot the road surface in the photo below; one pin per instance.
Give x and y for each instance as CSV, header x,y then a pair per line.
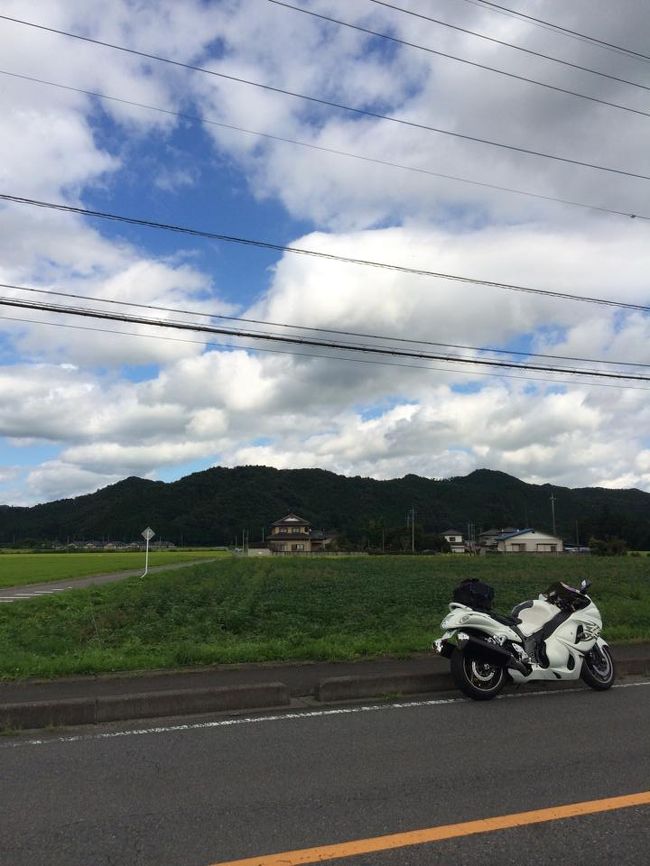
x,y
210,791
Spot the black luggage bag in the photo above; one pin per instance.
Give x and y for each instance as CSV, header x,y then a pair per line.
x,y
474,593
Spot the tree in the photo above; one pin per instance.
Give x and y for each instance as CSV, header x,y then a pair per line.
x,y
610,546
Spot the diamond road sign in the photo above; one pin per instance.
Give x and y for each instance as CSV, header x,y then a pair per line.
x,y
148,534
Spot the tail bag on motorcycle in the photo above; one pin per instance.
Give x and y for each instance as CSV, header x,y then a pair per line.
x,y
474,593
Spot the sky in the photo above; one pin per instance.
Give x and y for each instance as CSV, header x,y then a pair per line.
x,y
86,402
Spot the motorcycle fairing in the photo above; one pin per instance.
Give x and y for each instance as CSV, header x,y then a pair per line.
x,y
461,616
559,646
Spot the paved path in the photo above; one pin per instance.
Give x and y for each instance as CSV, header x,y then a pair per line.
x,y
10,594
216,790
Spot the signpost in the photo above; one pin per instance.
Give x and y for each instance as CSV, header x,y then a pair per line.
x,y
148,534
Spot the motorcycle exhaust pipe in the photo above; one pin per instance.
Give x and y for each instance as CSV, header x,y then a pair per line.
x,y
490,653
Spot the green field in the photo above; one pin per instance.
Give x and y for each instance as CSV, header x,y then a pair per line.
x,y
20,569
248,610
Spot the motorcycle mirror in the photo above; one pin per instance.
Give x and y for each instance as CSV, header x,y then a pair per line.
x,y
584,586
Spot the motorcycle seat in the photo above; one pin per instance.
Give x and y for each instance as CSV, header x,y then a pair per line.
x,y
505,620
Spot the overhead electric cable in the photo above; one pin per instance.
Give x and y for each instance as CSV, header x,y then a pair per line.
x,y
331,104
319,330
428,368
454,57
512,45
566,30
318,147
422,272
305,341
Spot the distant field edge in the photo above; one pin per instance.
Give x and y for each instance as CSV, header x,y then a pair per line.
x,y
33,569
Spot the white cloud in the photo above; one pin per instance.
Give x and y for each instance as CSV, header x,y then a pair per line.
x,y
80,391
59,480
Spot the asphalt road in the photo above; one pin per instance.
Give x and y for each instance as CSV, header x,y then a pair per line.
x,y
207,791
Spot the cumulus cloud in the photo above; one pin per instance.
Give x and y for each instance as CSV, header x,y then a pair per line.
x,y
132,403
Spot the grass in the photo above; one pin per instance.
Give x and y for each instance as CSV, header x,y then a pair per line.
x,y
20,569
241,610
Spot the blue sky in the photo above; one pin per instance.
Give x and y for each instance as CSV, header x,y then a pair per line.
x,y
80,409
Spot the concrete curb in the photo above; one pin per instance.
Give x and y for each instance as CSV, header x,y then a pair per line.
x,y
72,712
352,688
92,711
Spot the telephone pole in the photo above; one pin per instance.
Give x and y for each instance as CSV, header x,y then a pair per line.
x,y
410,520
553,512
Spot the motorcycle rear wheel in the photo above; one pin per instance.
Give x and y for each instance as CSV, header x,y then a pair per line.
x,y
476,679
598,670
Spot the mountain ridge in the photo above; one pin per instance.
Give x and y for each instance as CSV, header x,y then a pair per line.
x,y
214,505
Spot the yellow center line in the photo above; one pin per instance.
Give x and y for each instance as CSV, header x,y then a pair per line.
x,y
436,834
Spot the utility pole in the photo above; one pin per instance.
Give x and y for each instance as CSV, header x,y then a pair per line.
x,y
553,512
410,518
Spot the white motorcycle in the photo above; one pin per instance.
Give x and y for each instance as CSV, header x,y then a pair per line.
x,y
555,637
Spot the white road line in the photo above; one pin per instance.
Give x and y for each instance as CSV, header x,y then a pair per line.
x,y
292,716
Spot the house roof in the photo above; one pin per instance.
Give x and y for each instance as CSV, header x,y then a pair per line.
x,y
511,533
505,536
452,532
291,520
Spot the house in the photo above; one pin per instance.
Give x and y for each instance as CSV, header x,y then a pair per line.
x,y
293,534
488,540
454,539
528,541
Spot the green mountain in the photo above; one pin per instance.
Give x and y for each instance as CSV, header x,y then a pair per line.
x,y
214,506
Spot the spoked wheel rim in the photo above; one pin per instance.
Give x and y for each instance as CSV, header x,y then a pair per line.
x,y
483,676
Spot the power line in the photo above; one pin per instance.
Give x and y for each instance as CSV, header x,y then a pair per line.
x,y
373,160
331,104
304,341
318,330
454,57
566,30
428,368
421,272
512,45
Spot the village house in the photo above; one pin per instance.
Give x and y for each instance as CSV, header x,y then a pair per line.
x,y
488,540
293,534
455,540
528,541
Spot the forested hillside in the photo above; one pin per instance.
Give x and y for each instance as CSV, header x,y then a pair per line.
x,y
214,506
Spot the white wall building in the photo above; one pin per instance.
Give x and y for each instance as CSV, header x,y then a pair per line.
x,y
455,540
528,541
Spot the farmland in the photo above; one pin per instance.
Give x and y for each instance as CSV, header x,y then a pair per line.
x,y
251,610
20,569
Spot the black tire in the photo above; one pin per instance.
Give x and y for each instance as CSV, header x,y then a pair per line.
x,y
474,678
598,669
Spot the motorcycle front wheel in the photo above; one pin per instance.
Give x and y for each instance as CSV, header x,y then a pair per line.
x,y
598,669
476,679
